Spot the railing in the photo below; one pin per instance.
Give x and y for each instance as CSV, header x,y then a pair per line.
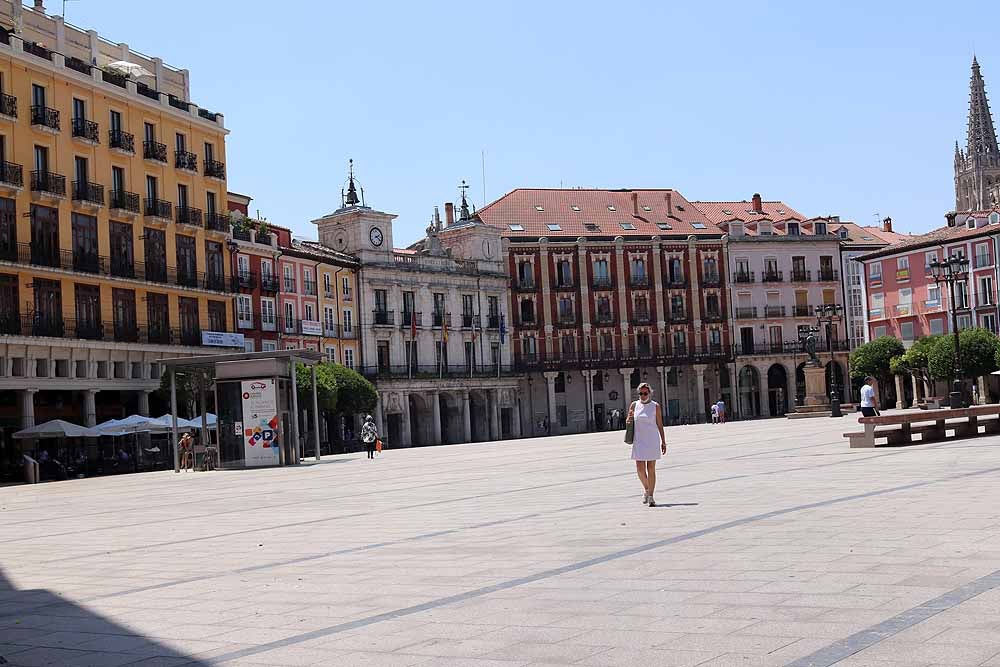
x,y
208,115
216,222
45,116
36,49
47,181
123,200
244,280
566,319
347,295
678,316
8,105
744,277
612,358
215,169
288,285
383,317
639,282
746,313
711,280
525,286
641,317
801,276
774,311
269,283
604,317
713,315
467,320
433,371
92,193
86,129
157,208
154,150
241,234
114,78
87,262
309,287
185,160
262,238
803,311
602,283
146,91
409,318
188,215
675,282
525,322
121,140
492,321
773,277
178,103
439,319
11,173
78,65
565,284
829,275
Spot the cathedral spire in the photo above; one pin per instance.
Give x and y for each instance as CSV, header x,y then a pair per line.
x,y
982,137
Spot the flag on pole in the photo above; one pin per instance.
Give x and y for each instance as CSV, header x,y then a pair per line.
x,y
444,327
413,326
503,329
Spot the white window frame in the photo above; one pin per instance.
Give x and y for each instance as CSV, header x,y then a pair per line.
x,y
349,357
875,271
268,346
244,311
268,316
348,325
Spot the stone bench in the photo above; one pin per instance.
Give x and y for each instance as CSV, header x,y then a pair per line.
x,y
898,429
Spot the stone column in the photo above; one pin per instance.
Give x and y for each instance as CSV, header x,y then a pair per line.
x,y
492,406
665,393
699,400
404,437
550,386
436,418
982,389
143,397
90,407
588,380
900,398
466,417
516,417
915,386
627,396
26,398
378,414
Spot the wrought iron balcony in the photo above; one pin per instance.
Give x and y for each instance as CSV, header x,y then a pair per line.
x,y
37,49
215,169
744,277
641,317
803,311
309,287
48,182
88,193
492,321
78,65
158,208
244,280
773,277
187,278
269,283
190,336
242,234
639,282
122,200
676,282
188,215
468,319
178,103
121,140
11,174
566,319
114,78
154,150
711,279
746,313
527,285
565,284
186,160
45,117
713,315
8,105
146,91
602,283
829,275
288,285
408,318
678,316
801,276
383,317
87,329
774,311
605,317
216,222
439,319
88,262
86,129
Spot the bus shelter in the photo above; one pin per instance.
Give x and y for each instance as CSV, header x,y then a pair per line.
x,y
256,402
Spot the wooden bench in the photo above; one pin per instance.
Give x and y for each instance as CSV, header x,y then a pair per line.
x,y
931,425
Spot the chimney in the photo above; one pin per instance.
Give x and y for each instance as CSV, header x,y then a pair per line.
x,y
757,205
39,6
437,218
635,204
887,225
449,214
670,207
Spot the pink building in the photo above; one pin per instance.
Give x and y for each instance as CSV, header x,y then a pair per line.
x,y
298,306
905,303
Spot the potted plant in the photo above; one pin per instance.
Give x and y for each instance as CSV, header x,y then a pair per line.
x,y
263,232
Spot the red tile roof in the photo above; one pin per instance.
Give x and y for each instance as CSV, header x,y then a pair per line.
x,y
589,212
725,211
941,235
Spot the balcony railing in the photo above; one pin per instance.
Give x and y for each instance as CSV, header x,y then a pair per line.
x,y
525,285
90,193
611,358
676,282
185,160
38,50
33,324
467,320
641,317
456,371
154,150
746,313
157,208
288,285
178,103
801,276
268,283
803,311
774,311
8,105
216,222
122,200
121,140
215,169
492,321
439,319
88,262
744,277
408,318
309,287
773,277
188,215
383,317
605,317
242,234
639,282
146,91
244,280
678,316
711,279
45,117
78,65
566,319
86,129
602,283
565,284
713,315
829,275
48,182
114,78
11,173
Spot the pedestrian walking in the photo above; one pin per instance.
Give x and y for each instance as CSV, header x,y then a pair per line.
x,y
649,441
369,434
868,398
722,411
715,413
185,444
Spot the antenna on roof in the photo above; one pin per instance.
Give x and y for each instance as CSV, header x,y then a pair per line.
x,y
484,176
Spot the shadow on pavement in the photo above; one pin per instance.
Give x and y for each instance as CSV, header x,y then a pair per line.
x,y
669,505
38,627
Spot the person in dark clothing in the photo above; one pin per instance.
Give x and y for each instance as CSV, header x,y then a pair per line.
x,y
369,434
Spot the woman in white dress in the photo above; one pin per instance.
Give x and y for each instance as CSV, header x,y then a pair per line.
x,y
649,442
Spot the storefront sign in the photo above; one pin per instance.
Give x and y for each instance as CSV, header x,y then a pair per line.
x,y
222,339
311,328
260,422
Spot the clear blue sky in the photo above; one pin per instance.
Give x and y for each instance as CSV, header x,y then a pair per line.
x,y
846,108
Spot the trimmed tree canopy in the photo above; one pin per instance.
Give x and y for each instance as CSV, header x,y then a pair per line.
x,y
874,358
357,394
978,349
327,390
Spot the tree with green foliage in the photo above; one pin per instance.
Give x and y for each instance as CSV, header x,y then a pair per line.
x,y
875,358
916,359
327,391
356,394
978,354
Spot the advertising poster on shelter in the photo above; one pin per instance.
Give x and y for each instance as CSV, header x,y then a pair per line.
x,y
260,422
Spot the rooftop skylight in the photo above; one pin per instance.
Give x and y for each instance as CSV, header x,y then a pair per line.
x,y
698,225
628,225
554,227
516,228
611,208
539,208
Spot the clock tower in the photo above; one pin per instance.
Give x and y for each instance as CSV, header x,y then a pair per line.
x,y
354,228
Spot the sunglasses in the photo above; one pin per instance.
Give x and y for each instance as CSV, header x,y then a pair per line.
x,y
644,393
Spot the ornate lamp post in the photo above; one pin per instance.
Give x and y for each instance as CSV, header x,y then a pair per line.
x,y
953,270
829,314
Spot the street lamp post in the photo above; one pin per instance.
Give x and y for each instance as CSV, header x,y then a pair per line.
x,y
828,314
953,270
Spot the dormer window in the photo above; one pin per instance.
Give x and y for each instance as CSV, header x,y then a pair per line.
x,y
765,229
970,223
842,232
820,229
736,229
793,229
994,218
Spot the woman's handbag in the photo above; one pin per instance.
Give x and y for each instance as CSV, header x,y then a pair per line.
x,y
630,427
378,445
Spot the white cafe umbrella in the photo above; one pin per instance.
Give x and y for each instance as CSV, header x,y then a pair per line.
x,y
165,424
132,424
210,420
129,69
57,428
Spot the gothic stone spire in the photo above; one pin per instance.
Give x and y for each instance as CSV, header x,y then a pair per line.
x,y
982,138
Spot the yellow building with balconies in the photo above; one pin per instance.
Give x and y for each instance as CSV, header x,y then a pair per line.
x,y
113,225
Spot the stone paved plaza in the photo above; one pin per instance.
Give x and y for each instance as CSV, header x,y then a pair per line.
x,y
775,545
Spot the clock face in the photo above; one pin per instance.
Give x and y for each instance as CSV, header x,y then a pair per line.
x,y
487,248
375,235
